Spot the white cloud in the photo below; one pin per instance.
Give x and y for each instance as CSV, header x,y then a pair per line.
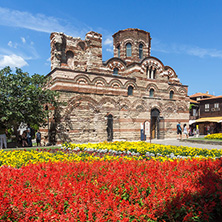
x,y
158,46
23,40
40,22
10,43
109,50
12,61
108,41
26,50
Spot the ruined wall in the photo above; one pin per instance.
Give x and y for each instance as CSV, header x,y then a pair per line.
x,y
76,54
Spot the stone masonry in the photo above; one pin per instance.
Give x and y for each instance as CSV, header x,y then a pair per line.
x,y
113,100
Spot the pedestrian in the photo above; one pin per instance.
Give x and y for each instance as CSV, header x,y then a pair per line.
x,y
3,139
29,136
38,138
24,139
179,131
185,130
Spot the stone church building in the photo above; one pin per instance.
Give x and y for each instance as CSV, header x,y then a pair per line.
x,y
131,96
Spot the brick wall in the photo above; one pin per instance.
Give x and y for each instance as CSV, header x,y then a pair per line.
x,y
92,92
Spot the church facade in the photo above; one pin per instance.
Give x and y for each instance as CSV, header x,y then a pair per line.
x,y
131,96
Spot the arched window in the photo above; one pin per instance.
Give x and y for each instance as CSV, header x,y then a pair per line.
x,y
128,50
130,91
118,51
150,72
115,71
154,74
171,94
151,93
70,59
141,51
81,45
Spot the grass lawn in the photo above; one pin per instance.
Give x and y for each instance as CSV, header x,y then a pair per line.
x,y
203,139
32,148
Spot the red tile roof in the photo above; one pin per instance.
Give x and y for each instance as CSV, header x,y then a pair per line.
x,y
193,101
201,94
215,97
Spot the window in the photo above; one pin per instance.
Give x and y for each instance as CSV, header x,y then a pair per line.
x,y
130,91
207,107
70,59
171,94
216,105
118,51
150,72
151,93
115,71
154,74
194,112
141,51
128,50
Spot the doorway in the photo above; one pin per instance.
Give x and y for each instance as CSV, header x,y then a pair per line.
x,y
109,128
155,119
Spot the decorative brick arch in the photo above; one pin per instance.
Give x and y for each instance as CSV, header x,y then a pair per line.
x,y
171,88
171,74
182,91
156,106
99,80
125,42
152,86
170,106
105,100
84,78
116,82
130,83
141,41
124,102
76,102
151,61
139,102
116,63
182,106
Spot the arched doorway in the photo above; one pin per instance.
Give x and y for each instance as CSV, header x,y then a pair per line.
x,y
155,119
109,127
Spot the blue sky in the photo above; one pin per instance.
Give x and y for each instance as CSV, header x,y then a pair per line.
x,y
186,35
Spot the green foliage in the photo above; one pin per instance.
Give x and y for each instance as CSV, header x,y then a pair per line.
x,y
23,98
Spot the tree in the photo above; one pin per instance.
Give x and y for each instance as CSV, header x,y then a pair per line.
x,y
23,98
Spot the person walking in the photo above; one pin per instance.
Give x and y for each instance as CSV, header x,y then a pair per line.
x,y
3,139
38,138
179,131
29,136
185,130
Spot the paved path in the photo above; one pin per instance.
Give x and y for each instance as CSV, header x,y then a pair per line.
x,y
176,142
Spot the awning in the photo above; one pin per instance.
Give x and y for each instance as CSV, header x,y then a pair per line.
x,y
191,122
210,119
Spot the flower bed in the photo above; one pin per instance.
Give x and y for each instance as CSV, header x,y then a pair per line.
x,y
215,136
120,190
149,149
120,181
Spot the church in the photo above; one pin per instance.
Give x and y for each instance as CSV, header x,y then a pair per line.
x,y
132,96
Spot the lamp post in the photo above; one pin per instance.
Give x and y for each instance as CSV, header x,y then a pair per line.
x,y
47,108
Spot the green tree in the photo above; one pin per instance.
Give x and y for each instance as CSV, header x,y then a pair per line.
x,y
23,98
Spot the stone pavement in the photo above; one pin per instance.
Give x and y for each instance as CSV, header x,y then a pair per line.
x,y
176,142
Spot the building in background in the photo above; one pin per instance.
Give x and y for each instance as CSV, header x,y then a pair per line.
x,y
131,96
210,120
